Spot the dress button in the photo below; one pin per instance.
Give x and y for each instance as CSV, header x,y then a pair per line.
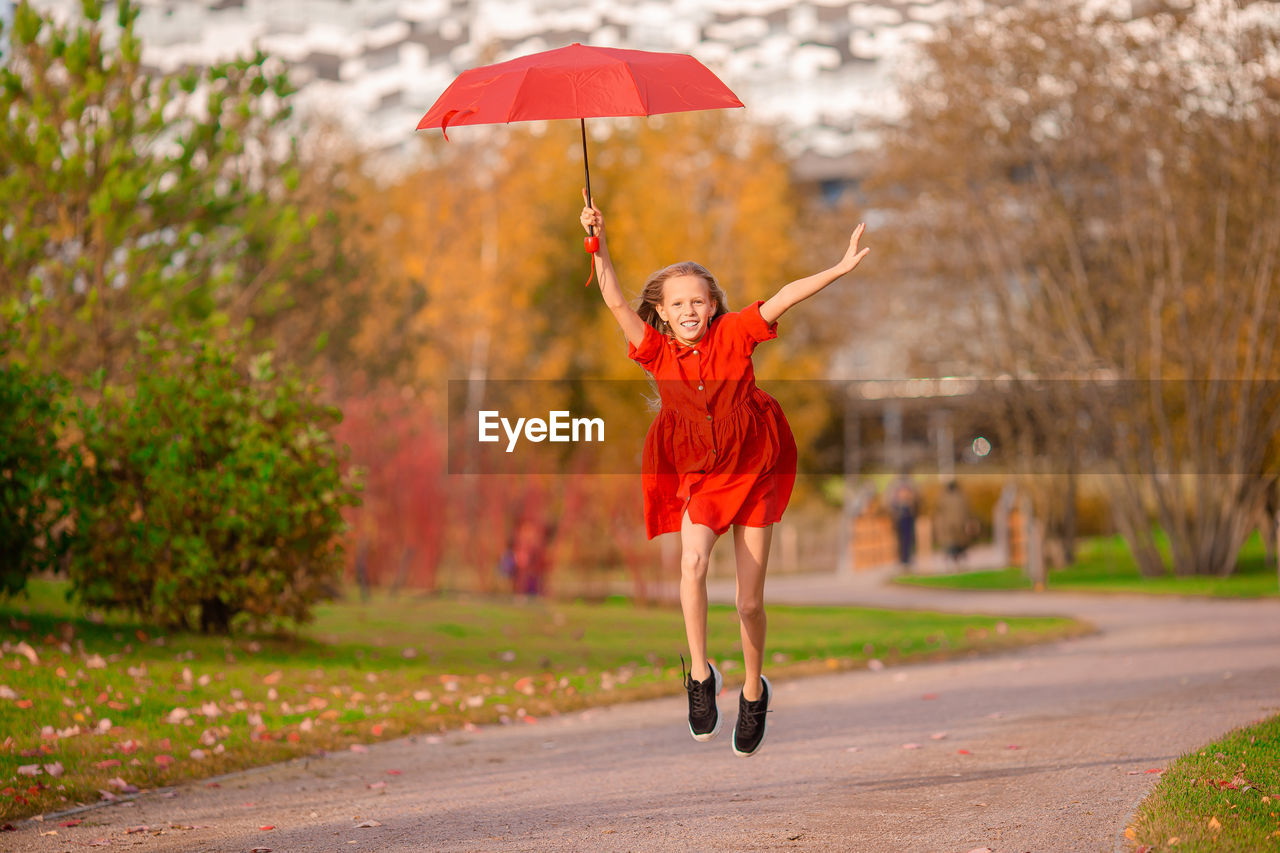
x,y
699,387
708,417
695,352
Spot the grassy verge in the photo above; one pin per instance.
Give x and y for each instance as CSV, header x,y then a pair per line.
x,y
1225,796
93,708
1105,565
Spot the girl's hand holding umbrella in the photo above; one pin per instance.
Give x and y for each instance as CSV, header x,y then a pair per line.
x,y
593,222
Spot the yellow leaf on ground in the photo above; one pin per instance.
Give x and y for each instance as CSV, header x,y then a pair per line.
x,y
1214,824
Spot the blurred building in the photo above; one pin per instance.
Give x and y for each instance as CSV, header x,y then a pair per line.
x,y
816,69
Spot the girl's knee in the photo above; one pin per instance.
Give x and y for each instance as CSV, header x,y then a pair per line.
x,y
693,563
750,607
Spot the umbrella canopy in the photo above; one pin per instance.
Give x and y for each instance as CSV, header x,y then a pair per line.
x,y
579,82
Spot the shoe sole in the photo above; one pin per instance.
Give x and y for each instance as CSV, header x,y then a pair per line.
x,y
703,738
768,691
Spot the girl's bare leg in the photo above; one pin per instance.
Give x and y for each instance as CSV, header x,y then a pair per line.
x,y
696,541
751,549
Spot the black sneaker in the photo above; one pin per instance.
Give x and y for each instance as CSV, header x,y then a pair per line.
x,y
748,734
704,716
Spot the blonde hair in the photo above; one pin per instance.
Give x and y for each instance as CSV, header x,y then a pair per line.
x,y
651,296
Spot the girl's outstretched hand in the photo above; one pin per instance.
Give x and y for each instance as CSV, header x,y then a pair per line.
x,y
853,256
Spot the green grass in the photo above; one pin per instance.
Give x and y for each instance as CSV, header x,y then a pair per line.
x,y
1105,565
1223,797
97,707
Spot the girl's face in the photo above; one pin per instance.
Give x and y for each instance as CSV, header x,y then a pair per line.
x,y
687,307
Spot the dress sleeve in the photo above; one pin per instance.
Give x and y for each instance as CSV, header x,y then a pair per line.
x,y
755,326
747,328
650,348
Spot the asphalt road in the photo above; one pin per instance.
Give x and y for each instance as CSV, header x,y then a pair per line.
x,y
1044,749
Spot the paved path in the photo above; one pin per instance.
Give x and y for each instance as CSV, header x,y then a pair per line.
x,y
1088,718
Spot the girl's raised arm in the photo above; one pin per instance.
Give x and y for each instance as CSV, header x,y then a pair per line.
x,y
801,289
632,326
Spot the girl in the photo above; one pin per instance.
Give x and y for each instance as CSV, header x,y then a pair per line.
x,y
719,454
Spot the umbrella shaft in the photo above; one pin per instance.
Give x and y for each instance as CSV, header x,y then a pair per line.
x,y
586,167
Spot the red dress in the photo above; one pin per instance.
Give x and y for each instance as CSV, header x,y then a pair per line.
x,y
720,447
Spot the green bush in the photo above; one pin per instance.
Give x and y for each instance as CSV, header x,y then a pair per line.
x,y
209,493
35,475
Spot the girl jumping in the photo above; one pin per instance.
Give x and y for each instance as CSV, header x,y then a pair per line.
x,y
719,454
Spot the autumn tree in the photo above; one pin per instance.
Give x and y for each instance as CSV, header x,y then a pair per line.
x,y
133,200
1095,196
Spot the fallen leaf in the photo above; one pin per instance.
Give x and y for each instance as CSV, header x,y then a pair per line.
x,y
1154,770
26,651
929,696
377,786
963,752
260,850
365,824
937,736
123,786
266,828
73,822
359,747
393,772
6,692
55,769
853,749
911,746
1013,746
980,850
1215,824
29,769
273,678
164,760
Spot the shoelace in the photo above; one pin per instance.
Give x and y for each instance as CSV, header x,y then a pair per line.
x,y
697,695
751,717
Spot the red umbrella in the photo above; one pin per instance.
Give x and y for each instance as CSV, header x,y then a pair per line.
x,y
579,82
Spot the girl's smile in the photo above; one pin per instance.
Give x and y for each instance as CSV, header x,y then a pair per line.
x,y
687,307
